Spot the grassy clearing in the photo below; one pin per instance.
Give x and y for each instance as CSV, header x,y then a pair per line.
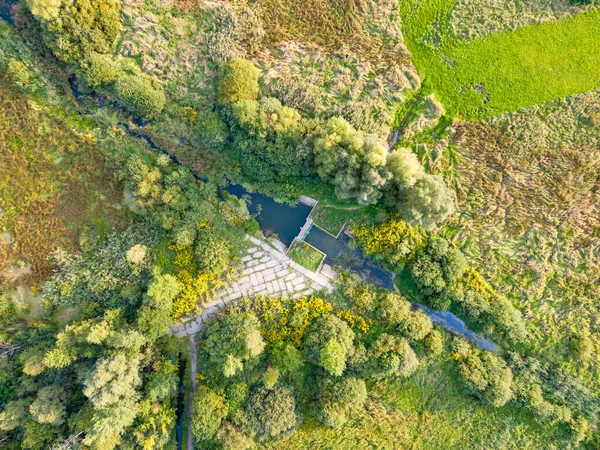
x,y
306,255
332,213
505,71
332,218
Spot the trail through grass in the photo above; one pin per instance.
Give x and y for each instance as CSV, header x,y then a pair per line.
x,y
505,71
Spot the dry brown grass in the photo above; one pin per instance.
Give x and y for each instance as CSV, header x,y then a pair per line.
x,y
521,188
52,182
529,217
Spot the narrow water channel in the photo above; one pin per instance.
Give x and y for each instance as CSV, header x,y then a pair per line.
x,y
180,402
285,222
5,11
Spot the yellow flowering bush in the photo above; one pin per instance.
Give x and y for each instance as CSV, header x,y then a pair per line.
x,y
356,321
394,240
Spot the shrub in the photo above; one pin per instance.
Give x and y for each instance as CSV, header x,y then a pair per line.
x,y
212,252
211,130
434,343
394,240
98,70
75,29
238,80
271,412
139,97
208,411
427,203
487,376
270,377
18,72
328,342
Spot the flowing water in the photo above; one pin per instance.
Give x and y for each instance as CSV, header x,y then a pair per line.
x,y
5,11
180,402
285,222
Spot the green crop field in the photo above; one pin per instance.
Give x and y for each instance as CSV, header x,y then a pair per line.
x,y
505,71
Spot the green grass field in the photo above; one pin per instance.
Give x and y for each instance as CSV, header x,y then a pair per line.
x,y
506,71
306,255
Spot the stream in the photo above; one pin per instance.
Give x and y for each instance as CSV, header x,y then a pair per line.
x,y
5,11
180,402
285,221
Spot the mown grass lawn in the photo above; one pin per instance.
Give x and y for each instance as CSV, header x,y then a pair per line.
x,y
506,71
306,256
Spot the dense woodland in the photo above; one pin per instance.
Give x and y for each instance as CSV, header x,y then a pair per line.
x,y
481,201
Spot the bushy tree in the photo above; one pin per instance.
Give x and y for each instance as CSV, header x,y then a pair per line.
x,y
393,309
236,433
49,406
13,414
435,268
154,317
333,357
99,69
415,326
285,357
405,167
236,396
74,29
139,96
328,342
232,341
272,412
337,397
113,380
487,376
270,139
238,80
107,424
427,203
352,162
208,410
434,343
389,355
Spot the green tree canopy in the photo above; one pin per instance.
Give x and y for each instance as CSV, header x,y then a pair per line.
x,y
208,410
272,412
328,343
140,96
238,80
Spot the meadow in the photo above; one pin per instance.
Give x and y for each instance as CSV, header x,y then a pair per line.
x,y
506,71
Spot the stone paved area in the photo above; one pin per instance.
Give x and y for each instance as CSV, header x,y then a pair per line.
x,y
262,270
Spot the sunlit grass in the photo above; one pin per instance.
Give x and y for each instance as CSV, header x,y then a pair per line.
x,y
505,71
